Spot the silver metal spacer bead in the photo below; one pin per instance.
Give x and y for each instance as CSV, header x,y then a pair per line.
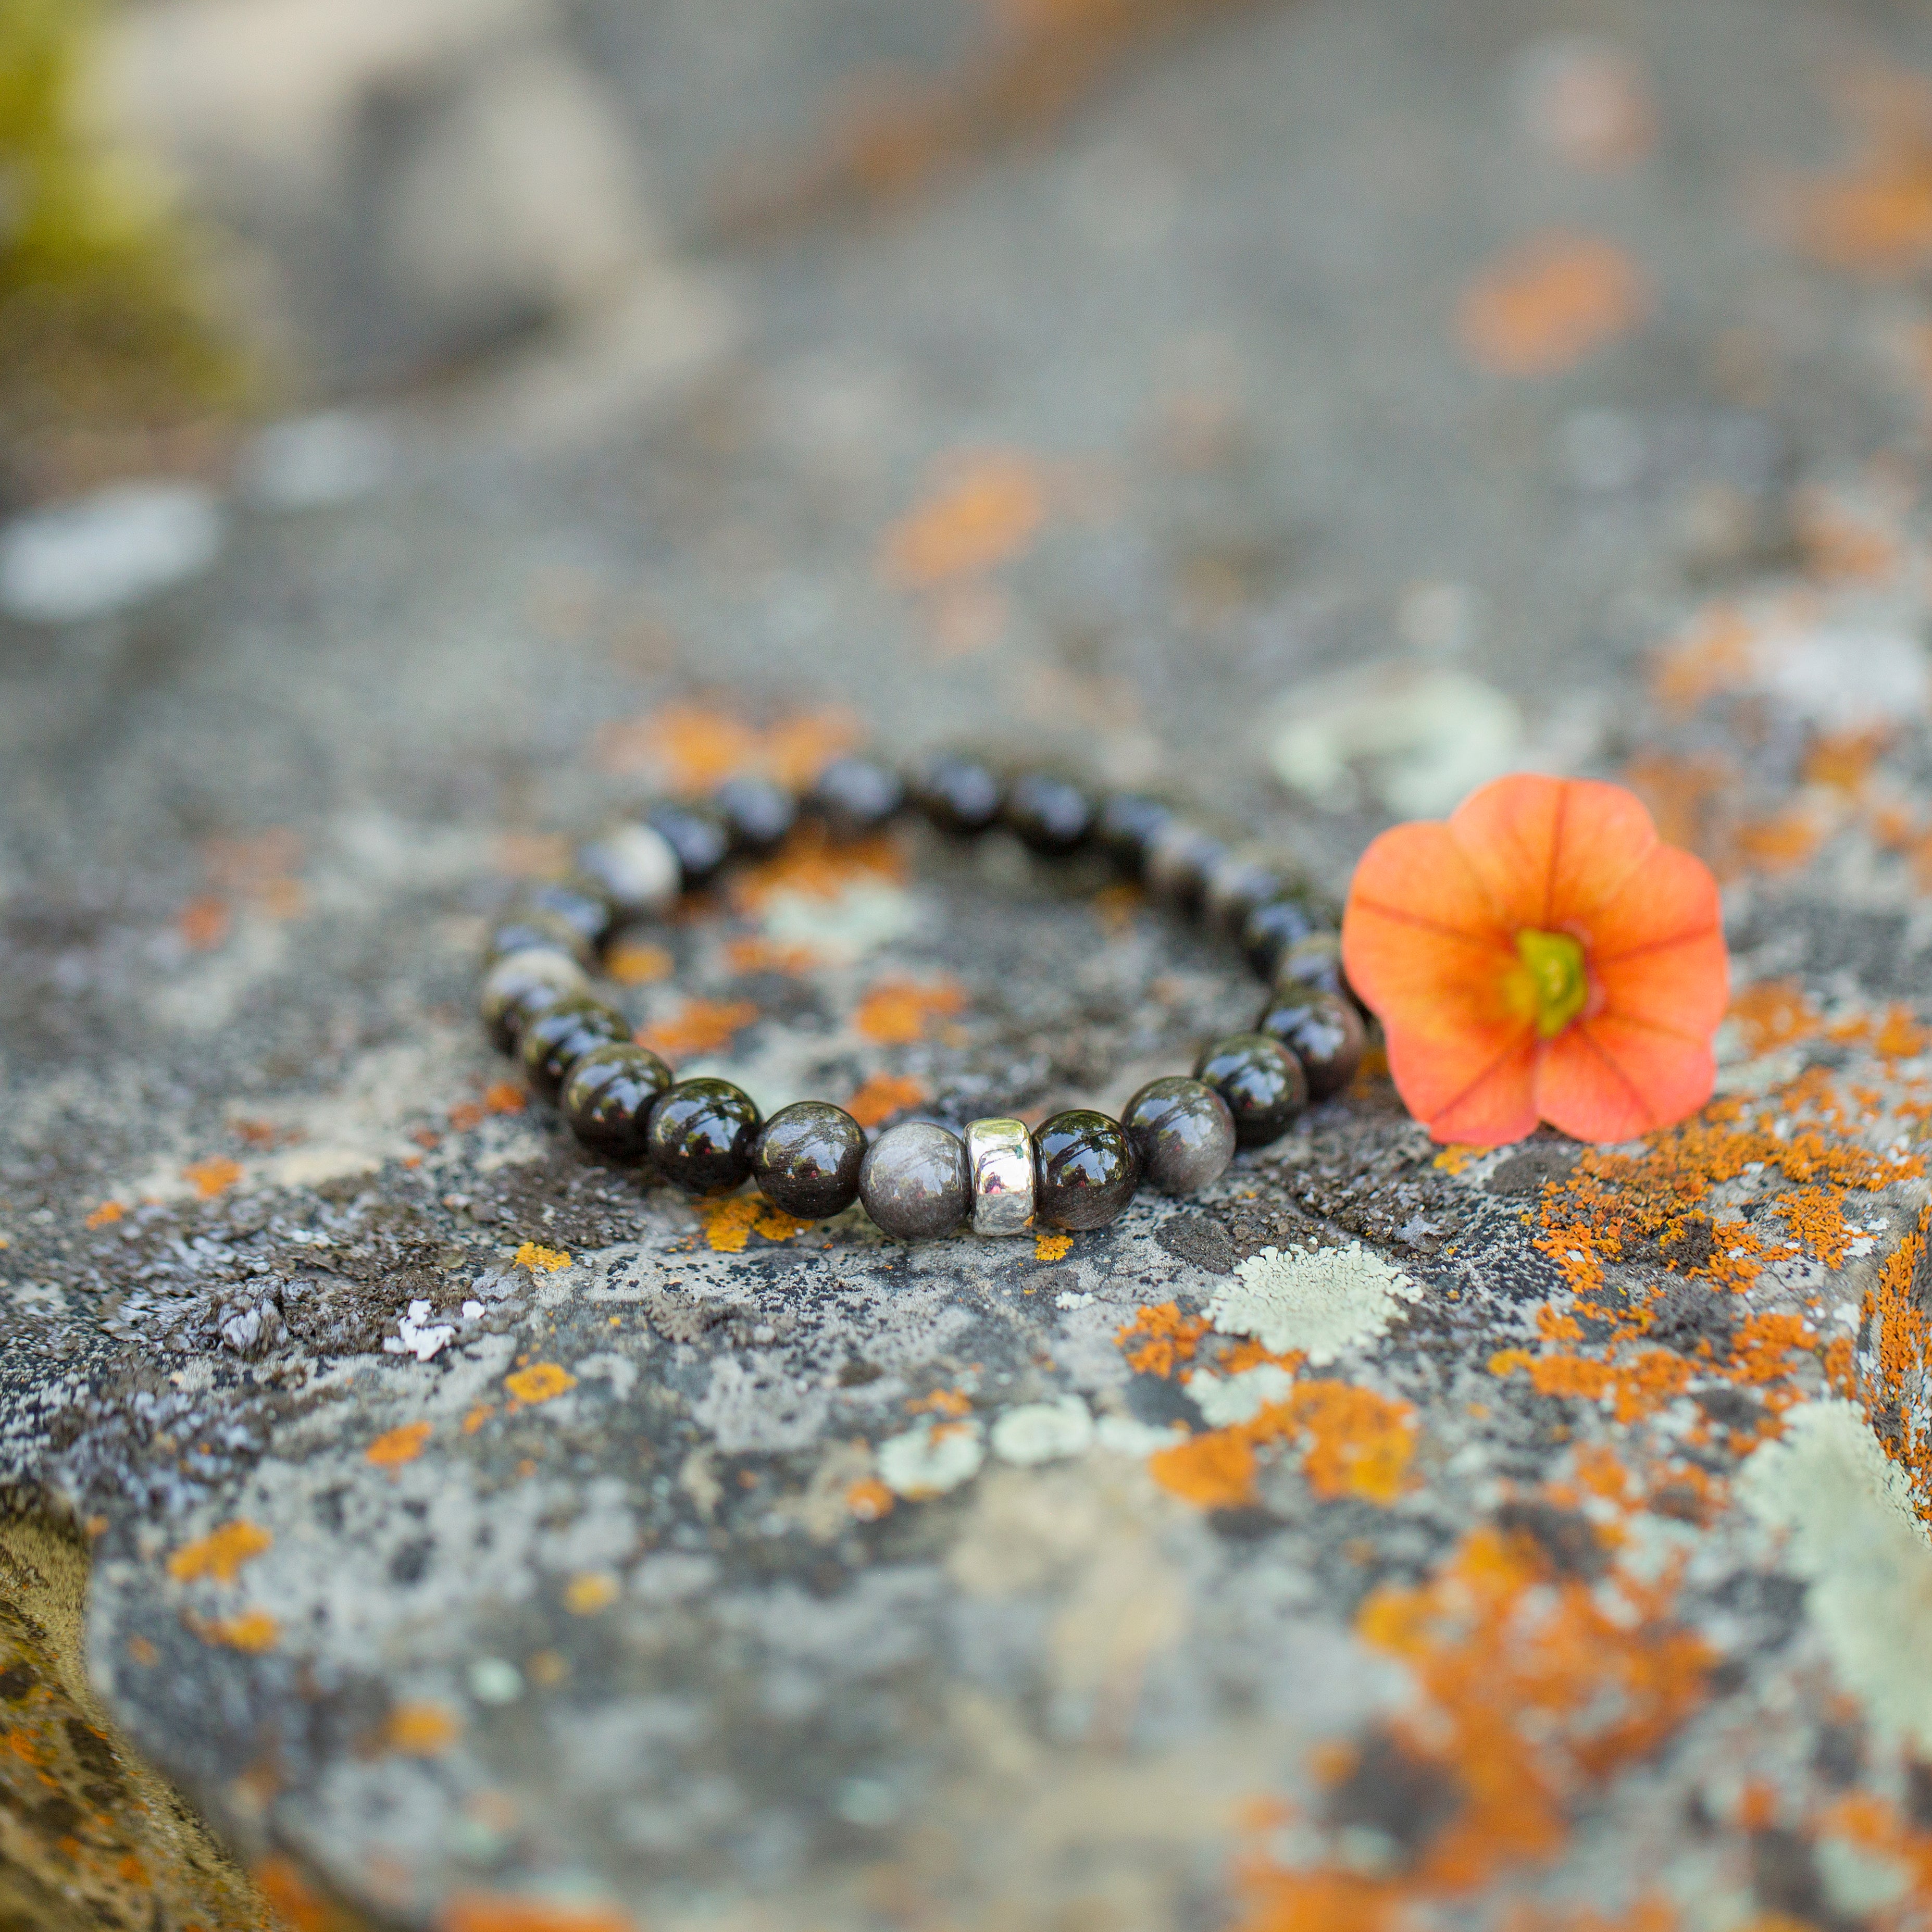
x,y
999,1155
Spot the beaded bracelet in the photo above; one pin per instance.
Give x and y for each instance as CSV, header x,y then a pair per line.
x,y
811,1159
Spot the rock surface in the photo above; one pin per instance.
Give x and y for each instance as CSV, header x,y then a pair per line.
x,y
485,1541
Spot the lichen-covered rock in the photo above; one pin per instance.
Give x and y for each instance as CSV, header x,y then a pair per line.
x,y
1388,1533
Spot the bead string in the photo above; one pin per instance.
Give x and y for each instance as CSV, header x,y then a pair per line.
x,y
811,1159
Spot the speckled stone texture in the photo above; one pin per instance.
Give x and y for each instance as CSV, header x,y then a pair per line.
x,y
1388,1536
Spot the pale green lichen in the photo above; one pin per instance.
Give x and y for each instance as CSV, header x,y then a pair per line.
x,y
1317,1301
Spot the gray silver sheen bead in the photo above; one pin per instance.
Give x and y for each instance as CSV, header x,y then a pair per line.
x,y
914,1182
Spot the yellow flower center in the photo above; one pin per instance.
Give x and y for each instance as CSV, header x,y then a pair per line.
x,y
1551,986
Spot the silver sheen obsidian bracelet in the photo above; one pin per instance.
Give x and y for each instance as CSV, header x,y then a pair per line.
x,y
1077,1169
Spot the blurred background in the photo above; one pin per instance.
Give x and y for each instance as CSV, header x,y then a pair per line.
x,y
1372,397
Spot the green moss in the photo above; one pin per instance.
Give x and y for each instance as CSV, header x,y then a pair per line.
x,y
104,328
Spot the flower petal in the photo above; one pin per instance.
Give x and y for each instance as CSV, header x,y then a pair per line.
x,y
1420,940
1549,852
1658,949
1476,1087
1611,1078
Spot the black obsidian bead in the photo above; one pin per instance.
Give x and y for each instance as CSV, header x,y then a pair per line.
x,y
1125,826
533,929
557,1038
1261,1081
1270,930
1316,960
757,814
701,1135
1322,1029
519,987
1180,856
959,794
1048,814
608,1098
698,835
854,796
1183,1133
1085,1169
916,1182
806,1159
1241,881
578,901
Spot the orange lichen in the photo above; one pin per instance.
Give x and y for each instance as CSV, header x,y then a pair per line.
x,y
698,1026
1354,1443
254,1631
395,1446
1051,1247
950,1402
422,1730
810,866
1773,1013
899,1011
985,510
541,1381
549,1261
593,1590
753,953
634,962
868,1499
1875,217
1901,1342
1549,302
1842,761
108,1212
883,1095
1159,1339
1783,843
214,1176
693,747
1536,1685
219,1555
203,922
729,1224
504,1096
498,1912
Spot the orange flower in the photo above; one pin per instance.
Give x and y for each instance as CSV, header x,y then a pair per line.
x,y
1541,955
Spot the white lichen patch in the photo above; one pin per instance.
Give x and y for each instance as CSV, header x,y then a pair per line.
x,y
1319,1301
932,1458
1226,1400
1853,1538
1044,1431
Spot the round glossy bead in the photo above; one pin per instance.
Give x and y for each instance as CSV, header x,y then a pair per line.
x,y
914,1181
1322,1029
1316,960
578,901
806,1159
608,1098
556,1039
1261,1081
1048,814
701,1135
519,987
758,813
999,1155
1241,880
1183,1133
699,837
959,794
636,866
533,929
1270,930
1125,826
1085,1169
1180,856
855,797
